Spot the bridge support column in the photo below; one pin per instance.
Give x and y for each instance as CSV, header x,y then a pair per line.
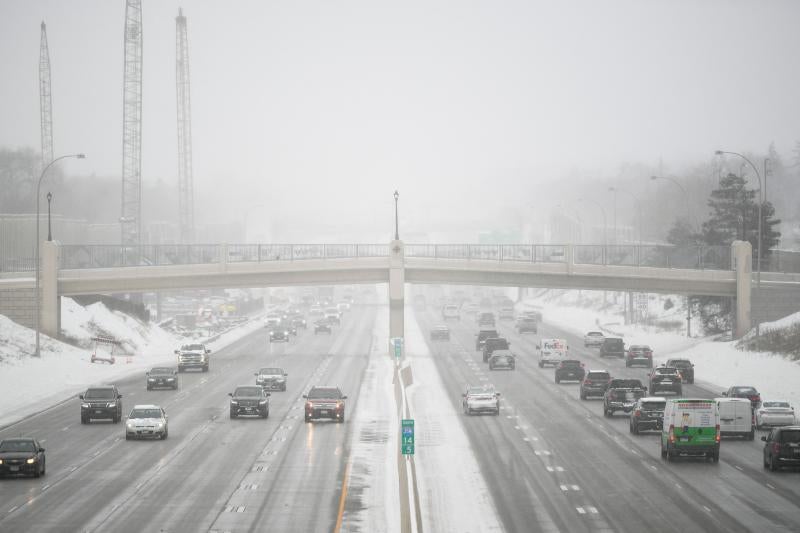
x,y
742,253
50,308
397,279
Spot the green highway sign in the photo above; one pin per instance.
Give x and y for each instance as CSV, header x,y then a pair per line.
x,y
407,436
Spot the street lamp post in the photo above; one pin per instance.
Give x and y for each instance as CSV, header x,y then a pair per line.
x,y
49,226
396,225
37,296
761,199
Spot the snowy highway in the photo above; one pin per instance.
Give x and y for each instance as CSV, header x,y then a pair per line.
x,y
549,462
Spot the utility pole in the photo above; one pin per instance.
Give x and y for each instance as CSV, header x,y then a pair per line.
x,y
131,218
45,100
185,179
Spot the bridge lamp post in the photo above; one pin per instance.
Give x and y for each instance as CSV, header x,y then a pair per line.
x,y
396,224
761,200
37,296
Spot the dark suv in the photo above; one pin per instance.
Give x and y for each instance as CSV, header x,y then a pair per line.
x,y
324,402
648,413
527,325
162,377
595,383
685,367
612,347
494,343
665,378
101,402
249,400
570,370
639,354
782,447
622,395
482,335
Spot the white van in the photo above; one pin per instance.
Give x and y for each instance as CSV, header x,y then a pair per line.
x,y
691,427
552,351
735,417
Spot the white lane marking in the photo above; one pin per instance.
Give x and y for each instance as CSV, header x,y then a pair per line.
x,y
593,510
708,509
575,487
581,510
677,485
65,428
13,509
542,452
634,452
45,487
526,439
654,467
738,468
559,469
770,486
564,487
516,427
550,469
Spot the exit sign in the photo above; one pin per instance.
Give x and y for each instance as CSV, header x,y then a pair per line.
x,y
407,436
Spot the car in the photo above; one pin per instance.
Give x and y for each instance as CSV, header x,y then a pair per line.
x,y
482,335
440,333
774,413
470,308
271,378
552,351
146,421
782,447
249,400
593,338
322,326
502,358
298,322
612,347
279,335
486,319
162,377
272,320
685,367
480,399
647,413
527,325
594,383
690,428
506,313
744,391
494,343
193,356
101,402
665,379
570,370
451,312
324,402
20,456
639,354
342,307
333,316
620,399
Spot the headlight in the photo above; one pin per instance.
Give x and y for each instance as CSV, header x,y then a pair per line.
x,y
170,379
285,332
130,424
271,333
150,379
31,460
111,404
262,402
85,405
159,425
234,402
1,461
309,405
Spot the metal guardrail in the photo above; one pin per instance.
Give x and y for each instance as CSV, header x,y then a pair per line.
x,y
75,256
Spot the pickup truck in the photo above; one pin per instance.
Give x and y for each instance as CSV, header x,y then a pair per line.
x,y
193,356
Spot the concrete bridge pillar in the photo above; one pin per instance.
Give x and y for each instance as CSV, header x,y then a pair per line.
x,y
397,280
742,254
50,310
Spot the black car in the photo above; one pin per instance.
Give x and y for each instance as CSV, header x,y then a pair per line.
x,y
249,400
782,447
482,335
502,358
271,378
612,347
527,325
440,333
648,413
570,370
322,326
103,402
21,456
324,402
594,383
494,343
667,379
685,367
279,334
162,377
620,399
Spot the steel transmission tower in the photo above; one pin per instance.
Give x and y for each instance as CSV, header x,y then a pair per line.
x,y
131,220
185,185
45,100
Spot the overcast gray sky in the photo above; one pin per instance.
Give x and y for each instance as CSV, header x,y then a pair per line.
x,y
349,100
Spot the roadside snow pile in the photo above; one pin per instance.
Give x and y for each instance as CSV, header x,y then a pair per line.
x,y
783,323
18,343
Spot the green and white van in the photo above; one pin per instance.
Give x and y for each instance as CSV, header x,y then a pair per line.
x,y
691,427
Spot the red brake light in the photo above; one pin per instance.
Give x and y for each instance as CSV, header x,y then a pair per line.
x,y
587,381
718,436
637,413
672,433
776,447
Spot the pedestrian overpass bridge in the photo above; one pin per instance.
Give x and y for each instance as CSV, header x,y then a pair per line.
x,y
691,270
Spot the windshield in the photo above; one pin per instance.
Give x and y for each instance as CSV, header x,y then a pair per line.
x,y
192,347
654,406
790,436
681,364
271,371
745,390
161,371
776,404
481,390
17,446
145,413
99,394
599,375
248,391
320,392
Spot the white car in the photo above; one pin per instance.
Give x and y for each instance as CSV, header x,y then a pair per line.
x,y
593,338
451,312
481,399
774,413
146,421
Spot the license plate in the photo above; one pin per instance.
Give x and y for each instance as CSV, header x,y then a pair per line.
x,y
13,468
666,382
324,412
684,439
98,411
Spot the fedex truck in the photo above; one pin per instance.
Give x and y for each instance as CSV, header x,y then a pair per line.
x,y
552,351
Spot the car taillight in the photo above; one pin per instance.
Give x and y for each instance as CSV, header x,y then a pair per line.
x,y
776,447
717,437
637,413
671,433
309,405
587,381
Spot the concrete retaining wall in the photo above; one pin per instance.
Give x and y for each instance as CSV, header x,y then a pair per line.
x,y
772,304
19,305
